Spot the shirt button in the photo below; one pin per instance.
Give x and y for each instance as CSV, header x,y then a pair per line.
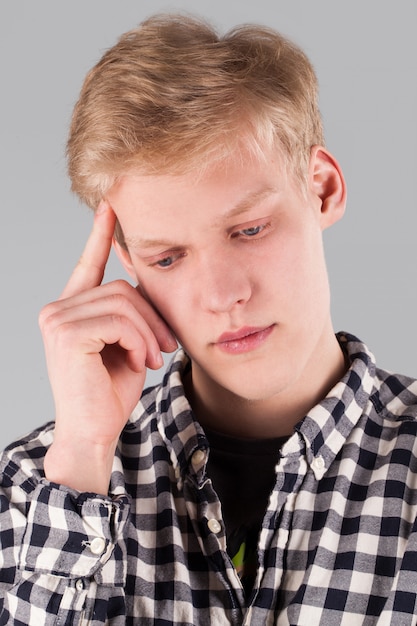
x,y
318,463
198,457
79,585
214,526
97,545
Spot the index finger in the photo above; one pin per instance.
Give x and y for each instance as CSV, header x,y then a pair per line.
x,y
89,271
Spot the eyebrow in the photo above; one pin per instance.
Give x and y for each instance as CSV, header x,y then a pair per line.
x,y
240,208
249,201
139,242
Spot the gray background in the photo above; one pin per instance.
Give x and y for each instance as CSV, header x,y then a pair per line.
x,y
365,54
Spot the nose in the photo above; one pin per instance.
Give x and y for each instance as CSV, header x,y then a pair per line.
x,y
224,282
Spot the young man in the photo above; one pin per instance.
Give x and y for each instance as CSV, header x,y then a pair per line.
x,y
271,477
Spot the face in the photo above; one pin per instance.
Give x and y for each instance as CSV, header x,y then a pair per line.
x,y
234,263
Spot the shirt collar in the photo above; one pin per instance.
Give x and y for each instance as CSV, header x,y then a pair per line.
x,y
181,432
328,424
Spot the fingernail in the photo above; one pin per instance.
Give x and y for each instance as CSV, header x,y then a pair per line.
x,y
159,359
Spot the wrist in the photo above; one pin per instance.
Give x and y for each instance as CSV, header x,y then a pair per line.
x,y
80,466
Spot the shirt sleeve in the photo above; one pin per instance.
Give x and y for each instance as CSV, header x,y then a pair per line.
x,y
62,553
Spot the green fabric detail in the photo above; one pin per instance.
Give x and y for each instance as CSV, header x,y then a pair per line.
x,y
239,558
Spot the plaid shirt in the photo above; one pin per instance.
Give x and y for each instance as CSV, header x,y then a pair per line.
x,y
338,545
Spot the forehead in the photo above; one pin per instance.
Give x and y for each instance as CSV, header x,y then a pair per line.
x,y
241,179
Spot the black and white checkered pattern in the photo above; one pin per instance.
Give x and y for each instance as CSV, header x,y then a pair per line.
x,y
338,545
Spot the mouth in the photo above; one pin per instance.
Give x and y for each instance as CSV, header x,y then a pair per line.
x,y
244,340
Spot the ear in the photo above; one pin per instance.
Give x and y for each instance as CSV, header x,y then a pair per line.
x,y
327,184
124,258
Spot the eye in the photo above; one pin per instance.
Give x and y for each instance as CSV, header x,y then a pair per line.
x,y
251,232
167,261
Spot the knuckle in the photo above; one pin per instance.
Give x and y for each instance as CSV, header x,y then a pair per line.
x,y
121,295
123,286
118,301
67,338
47,315
64,332
115,319
87,263
53,328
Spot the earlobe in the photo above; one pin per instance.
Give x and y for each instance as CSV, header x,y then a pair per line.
x,y
327,183
124,258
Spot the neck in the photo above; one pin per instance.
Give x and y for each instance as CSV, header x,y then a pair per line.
x,y
275,416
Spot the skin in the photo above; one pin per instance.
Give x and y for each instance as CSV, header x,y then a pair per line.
x,y
232,265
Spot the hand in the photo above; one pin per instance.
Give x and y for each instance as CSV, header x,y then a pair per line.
x,y
99,340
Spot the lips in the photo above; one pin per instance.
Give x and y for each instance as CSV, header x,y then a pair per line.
x,y
243,340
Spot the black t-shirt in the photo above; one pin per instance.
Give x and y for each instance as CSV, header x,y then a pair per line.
x,y
243,475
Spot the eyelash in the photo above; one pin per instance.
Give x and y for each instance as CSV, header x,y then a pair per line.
x,y
252,232
170,258
259,229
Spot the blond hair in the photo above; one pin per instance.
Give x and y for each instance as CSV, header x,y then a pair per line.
x,y
172,95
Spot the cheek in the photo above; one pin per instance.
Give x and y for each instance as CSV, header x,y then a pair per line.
x,y
169,300
300,269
